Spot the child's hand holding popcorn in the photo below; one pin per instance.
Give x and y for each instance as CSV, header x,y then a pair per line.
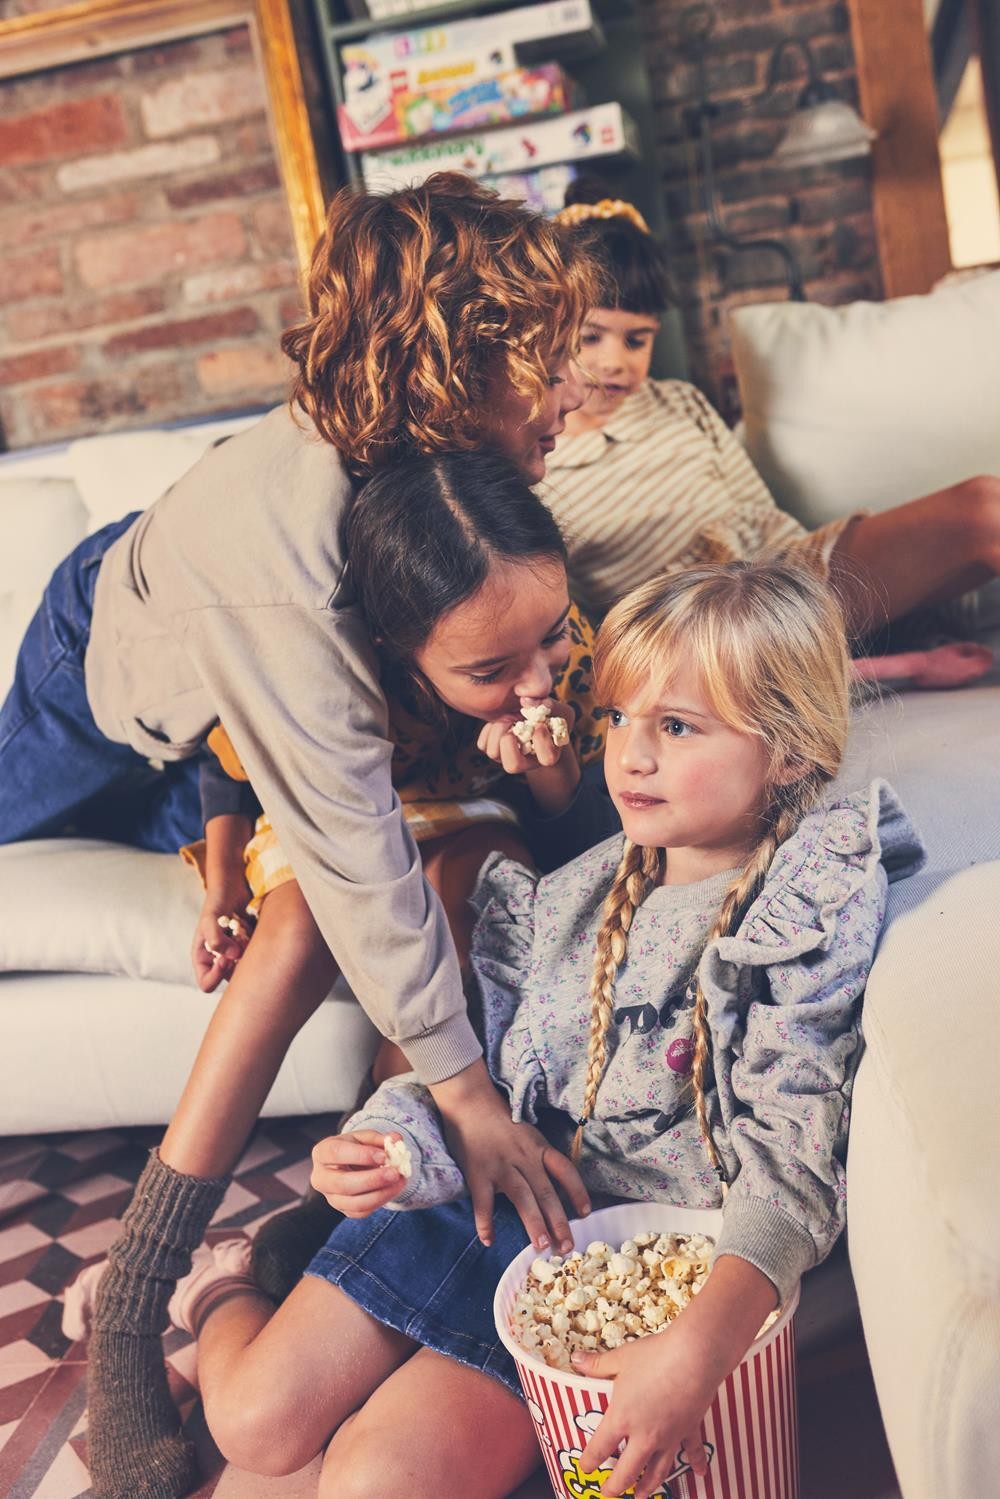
x,y
665,1384
360,1171
224,926
537,746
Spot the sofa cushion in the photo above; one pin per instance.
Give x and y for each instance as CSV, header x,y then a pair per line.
x,y
40,521
124,471
871,404
94,907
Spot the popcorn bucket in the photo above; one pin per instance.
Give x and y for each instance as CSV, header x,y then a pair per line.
x,y
750,1431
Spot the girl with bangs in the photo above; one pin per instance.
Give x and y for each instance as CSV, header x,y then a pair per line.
x,y
693,495
724,939
439,320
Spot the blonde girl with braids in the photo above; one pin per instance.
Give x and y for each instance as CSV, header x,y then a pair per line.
x,y
680,1006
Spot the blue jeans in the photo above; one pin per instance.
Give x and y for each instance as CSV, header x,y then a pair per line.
x,y
58,772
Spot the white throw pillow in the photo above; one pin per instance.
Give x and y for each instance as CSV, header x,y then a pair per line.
x,y
127,471
40,521
86,906
868,405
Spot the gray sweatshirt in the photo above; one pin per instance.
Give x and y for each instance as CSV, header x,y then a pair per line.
x,y
784,1008
226,600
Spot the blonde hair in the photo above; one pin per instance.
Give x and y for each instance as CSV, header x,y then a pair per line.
x,y
418,300
766,642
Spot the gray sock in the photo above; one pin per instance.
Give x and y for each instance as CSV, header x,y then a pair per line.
x,y
136,1449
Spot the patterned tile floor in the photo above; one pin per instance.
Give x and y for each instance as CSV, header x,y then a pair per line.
x,y
60,1197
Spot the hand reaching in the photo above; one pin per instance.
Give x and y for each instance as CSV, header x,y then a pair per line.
x,y
215,951
352,1173
497,1155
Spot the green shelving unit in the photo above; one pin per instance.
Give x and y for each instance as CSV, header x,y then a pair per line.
x,y
617,72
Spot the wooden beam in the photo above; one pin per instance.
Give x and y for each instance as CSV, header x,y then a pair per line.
x,y
897,98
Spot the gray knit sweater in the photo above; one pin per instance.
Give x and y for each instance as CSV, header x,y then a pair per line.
x,y
784,1000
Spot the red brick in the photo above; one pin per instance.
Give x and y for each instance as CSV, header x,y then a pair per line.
x,y
148,253
291,311
238,42
273,227
194,99
253,138
34,275
234,323
22,184
16,369
189,52
45,319
257,370
245,182
68,407
69,128
232,282
50,221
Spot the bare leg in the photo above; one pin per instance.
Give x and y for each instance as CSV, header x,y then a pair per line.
x,y
433,1427
280,980
275,1384
919,554
136,1447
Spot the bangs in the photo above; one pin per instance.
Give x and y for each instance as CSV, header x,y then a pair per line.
x,y
644,644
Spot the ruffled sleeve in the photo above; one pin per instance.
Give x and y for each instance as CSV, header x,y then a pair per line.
x,y
784,1008
501,956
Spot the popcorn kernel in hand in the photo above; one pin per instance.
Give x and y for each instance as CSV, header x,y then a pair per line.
x,y
397,1154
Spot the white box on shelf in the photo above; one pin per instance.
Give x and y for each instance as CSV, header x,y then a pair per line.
x,y
555,20
603,130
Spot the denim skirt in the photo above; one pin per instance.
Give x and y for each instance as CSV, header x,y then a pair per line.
x,y
426,1274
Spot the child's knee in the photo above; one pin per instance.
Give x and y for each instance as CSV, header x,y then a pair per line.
x,y
254,1434
357,1466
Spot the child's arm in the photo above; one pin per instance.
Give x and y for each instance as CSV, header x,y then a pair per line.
x,y
351,1167
665,1384
228,808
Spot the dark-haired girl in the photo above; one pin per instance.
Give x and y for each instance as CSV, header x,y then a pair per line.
x,y
648,476
440,318
458,575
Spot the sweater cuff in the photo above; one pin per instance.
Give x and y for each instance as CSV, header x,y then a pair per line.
x,y
755,1230
443,1050
383,1126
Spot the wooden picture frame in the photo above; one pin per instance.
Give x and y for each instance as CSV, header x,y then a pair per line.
x,y
96,28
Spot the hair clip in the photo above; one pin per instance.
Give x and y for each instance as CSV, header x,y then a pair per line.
x,y
607,208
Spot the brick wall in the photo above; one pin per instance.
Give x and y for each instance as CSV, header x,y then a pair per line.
x,y
823,213
146,256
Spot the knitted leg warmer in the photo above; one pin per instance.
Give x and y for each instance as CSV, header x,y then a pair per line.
x,y
135,1445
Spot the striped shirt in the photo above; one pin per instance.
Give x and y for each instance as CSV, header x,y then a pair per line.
x,y
664,483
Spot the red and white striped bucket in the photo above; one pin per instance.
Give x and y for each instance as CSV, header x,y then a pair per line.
x,y
750,1429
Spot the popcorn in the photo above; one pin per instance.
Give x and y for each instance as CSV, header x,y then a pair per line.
x,y
397,1154
531,716
606,1297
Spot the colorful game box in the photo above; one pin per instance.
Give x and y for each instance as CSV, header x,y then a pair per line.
x,y
603,130
522,93
544,190
457,54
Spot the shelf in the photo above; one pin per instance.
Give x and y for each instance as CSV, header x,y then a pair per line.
x,y
609,12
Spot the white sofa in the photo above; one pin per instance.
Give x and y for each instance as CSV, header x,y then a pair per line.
x,y
99,1015
871,405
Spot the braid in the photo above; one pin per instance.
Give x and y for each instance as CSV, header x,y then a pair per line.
x,y
636,874
796,801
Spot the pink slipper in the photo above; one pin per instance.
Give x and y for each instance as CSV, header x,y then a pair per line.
x,y
78,1302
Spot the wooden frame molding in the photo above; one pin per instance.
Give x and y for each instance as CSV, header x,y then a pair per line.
x,y
897,98
95,28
